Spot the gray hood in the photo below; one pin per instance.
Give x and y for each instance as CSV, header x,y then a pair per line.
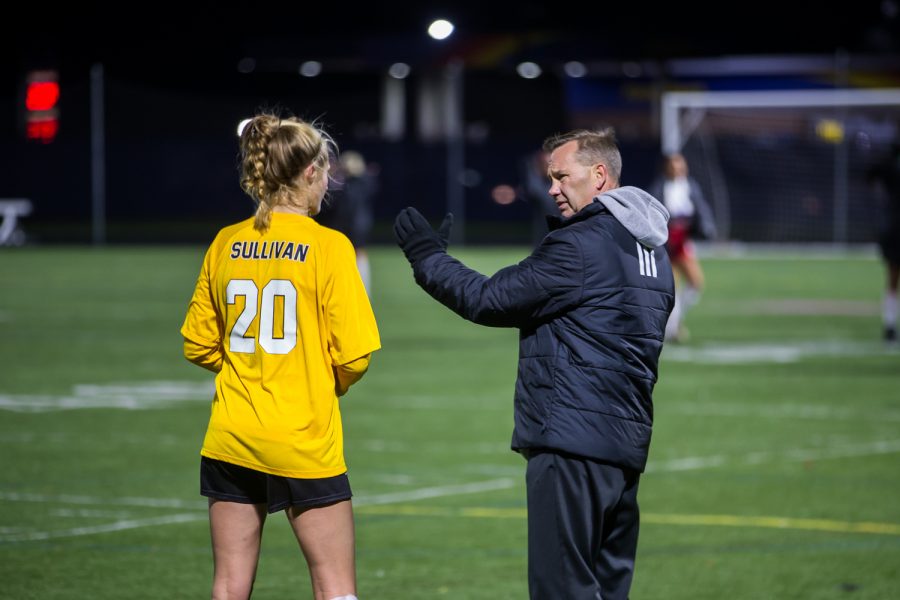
x,y
642,215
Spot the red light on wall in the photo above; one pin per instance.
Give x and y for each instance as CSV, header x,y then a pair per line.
x,y
42,106
42,131
41,95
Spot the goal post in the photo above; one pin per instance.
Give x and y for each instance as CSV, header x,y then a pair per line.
x,y
785,165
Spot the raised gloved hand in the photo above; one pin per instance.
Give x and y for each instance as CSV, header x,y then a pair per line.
x,y
416,237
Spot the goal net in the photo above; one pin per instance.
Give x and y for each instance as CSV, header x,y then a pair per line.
x,y
786,166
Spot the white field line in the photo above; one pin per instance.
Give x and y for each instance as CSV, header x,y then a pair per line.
x,y
692,463
673,465
795,307
77,437
449,402
122,525
396,446
149,395
98,501
435,492
781,411
772,352
689,463
128,396
89,513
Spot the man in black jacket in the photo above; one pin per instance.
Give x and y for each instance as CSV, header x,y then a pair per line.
x,y
591,303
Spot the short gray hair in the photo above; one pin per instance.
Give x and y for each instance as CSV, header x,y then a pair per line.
x,y
594,146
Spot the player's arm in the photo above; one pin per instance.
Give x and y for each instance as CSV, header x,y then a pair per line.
x,y
202,338
203,355
350,322
348,374
705,221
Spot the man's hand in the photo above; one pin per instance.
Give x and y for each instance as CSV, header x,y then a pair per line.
x,y
416,237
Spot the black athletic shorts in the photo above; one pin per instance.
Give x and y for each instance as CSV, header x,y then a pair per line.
x,y
890,245
233,483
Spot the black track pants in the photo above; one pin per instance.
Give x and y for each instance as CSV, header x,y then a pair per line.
x,y
582,528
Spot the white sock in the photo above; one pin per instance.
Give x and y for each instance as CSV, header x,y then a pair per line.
x,y
347,597
674,323
690,296
365,272
889,309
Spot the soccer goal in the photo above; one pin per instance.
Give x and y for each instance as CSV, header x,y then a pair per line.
x,y
785,166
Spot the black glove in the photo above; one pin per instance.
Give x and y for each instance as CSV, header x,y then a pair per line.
x,y
416,237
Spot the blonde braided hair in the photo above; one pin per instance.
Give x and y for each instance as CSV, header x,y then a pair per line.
x,y
275,153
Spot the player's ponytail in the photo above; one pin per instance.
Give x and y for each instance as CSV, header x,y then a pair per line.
x,y
275,153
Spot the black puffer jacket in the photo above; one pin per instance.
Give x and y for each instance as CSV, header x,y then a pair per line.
x,y
591,303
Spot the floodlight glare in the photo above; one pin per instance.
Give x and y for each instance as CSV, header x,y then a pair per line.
x,y
528,70
632,69
246,65
440,29
311,68
575,69
399,70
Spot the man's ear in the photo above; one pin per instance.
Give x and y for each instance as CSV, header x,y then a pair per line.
x,y
601,175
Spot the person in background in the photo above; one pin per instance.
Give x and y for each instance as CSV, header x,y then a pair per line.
x,y
531,188
690,216
349,209
887,174
280,314
591,304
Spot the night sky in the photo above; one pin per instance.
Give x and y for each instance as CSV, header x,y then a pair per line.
x,y
213,36
174,89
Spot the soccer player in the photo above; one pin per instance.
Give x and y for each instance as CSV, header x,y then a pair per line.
x,y
281,316
591,304
690,215
887,172
349,208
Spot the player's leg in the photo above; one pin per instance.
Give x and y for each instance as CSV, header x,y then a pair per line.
x,y
321,515
690,283
237,512
674,328
326,536
694,280
236,531
889,308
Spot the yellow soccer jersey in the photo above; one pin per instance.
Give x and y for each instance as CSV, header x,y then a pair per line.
x,y
277,314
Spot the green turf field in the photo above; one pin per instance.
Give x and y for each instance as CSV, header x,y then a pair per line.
x,y
774,469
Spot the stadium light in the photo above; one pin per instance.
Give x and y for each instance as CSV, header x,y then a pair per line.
x,y
528,70
440,29
575,69
399,70
311,68
246,65
632,70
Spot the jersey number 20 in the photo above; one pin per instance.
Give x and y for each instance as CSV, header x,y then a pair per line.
x,y
271,344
